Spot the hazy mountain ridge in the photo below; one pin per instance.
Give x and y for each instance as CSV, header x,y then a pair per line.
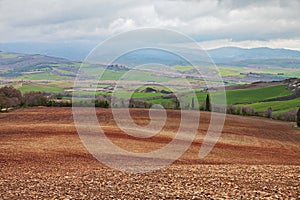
x,y
236,53
14,63
257,56
78,51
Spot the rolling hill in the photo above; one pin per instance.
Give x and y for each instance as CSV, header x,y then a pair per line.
x,y
34,72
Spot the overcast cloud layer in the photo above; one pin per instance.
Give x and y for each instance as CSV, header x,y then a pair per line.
x,y
222,23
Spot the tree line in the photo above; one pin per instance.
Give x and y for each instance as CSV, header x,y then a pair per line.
x,y
11,98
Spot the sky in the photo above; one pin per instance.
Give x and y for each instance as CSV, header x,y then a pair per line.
x,y
213,23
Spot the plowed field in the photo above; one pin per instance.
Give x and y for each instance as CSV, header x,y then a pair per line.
x,y
42,157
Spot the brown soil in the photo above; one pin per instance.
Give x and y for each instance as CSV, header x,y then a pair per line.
x,y
42,157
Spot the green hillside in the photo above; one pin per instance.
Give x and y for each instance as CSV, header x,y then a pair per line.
x,y
277,106
249,95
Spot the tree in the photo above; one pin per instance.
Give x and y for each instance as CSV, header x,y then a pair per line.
x,y
34,99
101,103
177,104
193,103
298,117
3,101
207,103
10,97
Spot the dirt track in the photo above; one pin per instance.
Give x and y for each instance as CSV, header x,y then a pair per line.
x,y
43,157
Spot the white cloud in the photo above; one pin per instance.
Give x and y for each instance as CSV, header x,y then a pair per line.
x,y
277,22
121,24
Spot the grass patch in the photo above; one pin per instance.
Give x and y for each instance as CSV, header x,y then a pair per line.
x,y
41,88
43,76
160,101
277,106
228,72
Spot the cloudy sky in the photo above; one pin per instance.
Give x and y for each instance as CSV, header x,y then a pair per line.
x,y
212,23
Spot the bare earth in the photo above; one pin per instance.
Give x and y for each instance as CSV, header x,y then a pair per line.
x,y
42,157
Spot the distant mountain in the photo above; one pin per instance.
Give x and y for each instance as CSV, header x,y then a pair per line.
x,y
233,54
230,56
226,55
69,50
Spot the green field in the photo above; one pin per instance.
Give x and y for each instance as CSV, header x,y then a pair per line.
x,y
230,71
255,95
249,95
277,106
40,88
161,101
61,76
43,76
245,97
236,70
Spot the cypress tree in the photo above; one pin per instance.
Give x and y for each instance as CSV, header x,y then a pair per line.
x,y
193,103
207,103
298,117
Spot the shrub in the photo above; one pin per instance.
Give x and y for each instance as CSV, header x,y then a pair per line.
x,y
268,112
247,111
219,108
288,116
238,110
101,103
201,106
176,104
135,103
230,109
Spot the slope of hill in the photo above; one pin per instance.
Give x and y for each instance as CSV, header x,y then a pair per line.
x,y
13,64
